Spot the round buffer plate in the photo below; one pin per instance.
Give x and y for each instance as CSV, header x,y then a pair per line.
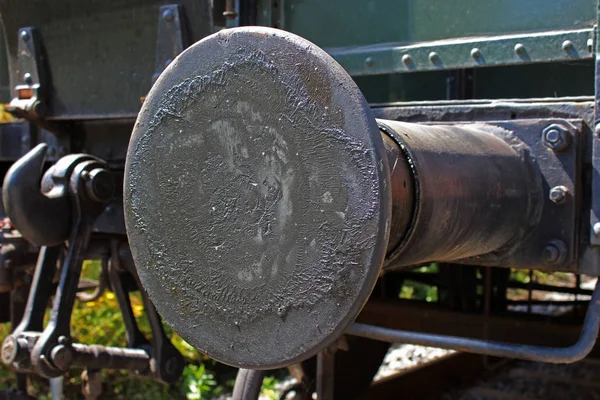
x,y
256,197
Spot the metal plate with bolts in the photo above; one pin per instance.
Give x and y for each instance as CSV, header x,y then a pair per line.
x,y
553,245
251,141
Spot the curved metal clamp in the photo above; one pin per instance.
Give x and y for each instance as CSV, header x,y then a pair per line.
x,y
42,213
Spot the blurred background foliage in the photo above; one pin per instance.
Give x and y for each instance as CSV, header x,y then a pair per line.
x,y
100,322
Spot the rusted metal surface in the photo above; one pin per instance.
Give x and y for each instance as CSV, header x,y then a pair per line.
x,y
467,179
257,197
403,192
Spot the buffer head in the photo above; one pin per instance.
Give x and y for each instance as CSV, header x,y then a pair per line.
x,y
257,199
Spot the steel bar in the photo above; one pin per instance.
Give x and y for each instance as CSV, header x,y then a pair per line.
x,y
558,355
101,357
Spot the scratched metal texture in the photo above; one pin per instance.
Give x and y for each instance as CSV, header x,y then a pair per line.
x,y
256,197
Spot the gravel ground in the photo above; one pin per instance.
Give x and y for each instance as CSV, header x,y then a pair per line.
x,y
405,356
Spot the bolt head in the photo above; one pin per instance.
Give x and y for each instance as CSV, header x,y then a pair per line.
x,y
476,53
168,15
558,194
9,350
556,137
596,229
550,253
25,35
64,340
406,59
567,45
520,48
369,61
554,252
553,136
434,57
27,78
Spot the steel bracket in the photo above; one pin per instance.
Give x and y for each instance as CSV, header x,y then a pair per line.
x,y
172,38
30,92
554,240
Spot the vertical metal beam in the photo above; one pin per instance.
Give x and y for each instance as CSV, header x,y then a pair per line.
x,y
595,214
326,374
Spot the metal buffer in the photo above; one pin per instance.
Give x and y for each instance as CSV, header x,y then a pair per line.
x,y
263,199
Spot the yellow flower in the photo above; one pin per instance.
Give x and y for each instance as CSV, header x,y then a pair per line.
x,y
91,304
110,296
138,310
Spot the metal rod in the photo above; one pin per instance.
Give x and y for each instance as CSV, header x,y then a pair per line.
x,y
56,388
557,355
326,374
101,357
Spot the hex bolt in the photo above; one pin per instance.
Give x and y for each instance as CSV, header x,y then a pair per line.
x,y
168,15
558,194
556,137
407,59
520,48
476,53
434,57
25,35
369,61
567,45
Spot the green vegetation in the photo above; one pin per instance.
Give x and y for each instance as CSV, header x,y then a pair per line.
x,y
100,322
420,291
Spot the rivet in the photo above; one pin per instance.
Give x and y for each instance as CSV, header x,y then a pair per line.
x,y
406,59
567,45
369,61
168,15
25,35
596,229
475,53
519,48
434,57
27,78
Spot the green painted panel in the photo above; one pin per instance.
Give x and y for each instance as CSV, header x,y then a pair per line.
x,y
340,23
